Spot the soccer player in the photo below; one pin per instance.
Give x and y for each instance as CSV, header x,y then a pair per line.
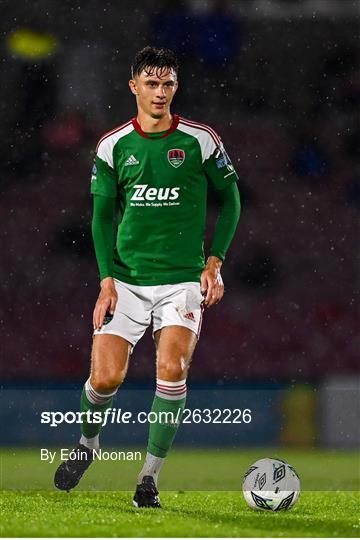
x,y
157,167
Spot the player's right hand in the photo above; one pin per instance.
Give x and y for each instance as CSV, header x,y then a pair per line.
x,y
106,302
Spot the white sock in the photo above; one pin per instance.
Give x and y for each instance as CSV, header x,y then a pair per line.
x,y
91,444
96,397
151,467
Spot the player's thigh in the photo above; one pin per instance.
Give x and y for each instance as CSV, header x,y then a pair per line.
x,y
109,361
175,346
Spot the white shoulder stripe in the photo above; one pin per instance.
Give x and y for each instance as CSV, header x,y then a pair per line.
x,y
201,126
106,146
206,141
111,132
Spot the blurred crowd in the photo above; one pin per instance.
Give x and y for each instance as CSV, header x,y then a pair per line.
x,y
283,95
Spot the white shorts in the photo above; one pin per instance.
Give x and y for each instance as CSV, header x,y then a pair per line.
x,y
166,305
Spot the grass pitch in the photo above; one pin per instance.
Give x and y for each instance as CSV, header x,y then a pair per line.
x,y
31,507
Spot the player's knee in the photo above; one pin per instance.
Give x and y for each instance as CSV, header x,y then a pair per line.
x,y
106,382
173,369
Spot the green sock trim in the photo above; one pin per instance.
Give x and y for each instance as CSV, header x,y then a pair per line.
x,y
91,429
162,433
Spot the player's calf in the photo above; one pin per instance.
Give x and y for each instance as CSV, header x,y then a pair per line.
x,y
70,472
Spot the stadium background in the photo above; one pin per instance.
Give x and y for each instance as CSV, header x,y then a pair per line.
x,y
280,82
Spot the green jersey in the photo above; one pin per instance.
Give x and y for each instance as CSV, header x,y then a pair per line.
x,y
161,180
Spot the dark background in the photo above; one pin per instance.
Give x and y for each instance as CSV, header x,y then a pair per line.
x,y
280,82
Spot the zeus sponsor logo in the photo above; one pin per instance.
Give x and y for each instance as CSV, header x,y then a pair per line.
x,y
144,193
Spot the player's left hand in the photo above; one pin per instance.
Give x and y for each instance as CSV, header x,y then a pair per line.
x,y
212,285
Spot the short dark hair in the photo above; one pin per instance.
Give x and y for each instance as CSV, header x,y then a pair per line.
x,y
152,58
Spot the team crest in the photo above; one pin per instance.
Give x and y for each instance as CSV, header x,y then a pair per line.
x,y
176,157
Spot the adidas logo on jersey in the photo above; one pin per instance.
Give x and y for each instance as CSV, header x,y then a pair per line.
x,y
144,193
131,161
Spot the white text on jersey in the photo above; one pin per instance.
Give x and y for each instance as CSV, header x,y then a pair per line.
x,y
144,193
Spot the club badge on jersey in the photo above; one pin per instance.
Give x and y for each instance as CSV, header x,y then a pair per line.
x,y
176,157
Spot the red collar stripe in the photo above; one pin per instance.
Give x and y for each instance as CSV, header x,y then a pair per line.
x,y
174,125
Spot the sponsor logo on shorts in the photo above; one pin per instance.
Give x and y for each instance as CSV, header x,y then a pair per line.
x,y
108,318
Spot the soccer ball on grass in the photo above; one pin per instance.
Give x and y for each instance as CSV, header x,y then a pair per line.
x,y
271,484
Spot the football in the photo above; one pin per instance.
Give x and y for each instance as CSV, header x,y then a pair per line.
x,y
271,484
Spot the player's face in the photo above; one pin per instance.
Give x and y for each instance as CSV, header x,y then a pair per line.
x,y
154,91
